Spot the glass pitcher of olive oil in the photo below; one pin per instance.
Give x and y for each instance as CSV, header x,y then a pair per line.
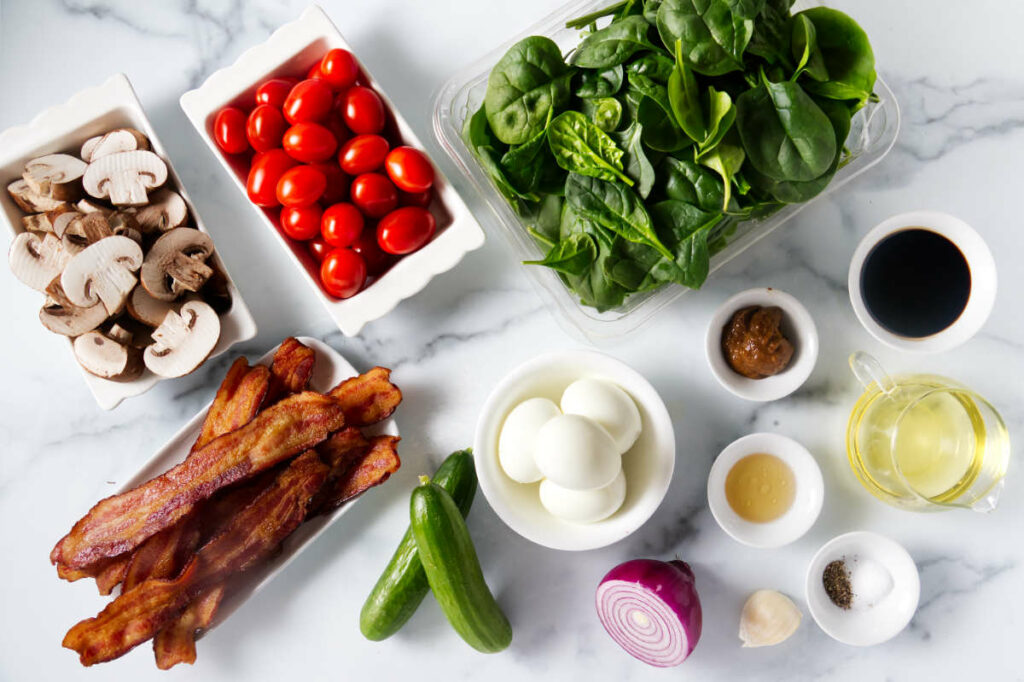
x,y
925,442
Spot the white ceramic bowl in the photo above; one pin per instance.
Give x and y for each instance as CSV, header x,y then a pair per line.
x,y
867,624
810,491
290,51
979,260
64,128
648,465
797,325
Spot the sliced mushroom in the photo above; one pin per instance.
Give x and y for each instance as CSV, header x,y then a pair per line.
x,y
125,224
114,142
125,178
62,317
83,230
177,263
166,210
184,340
119,334
147,309
107,357
87,206
29,200
61,223
36,222
142,334
37,259
103,272
55,175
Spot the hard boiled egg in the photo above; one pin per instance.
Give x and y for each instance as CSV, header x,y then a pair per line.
x,y
608,405
576,453
518,438
583,506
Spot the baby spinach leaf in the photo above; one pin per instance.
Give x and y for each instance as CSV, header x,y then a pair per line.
x,y
605,112
531,168
613,44
477,134
548,220
714,33
685,229
804,47
635,162
618,9
786,135
771,38
655,66
660,131
685,180
614,207
849,59
725,159
705,119
603,83
651,11
580,147
527,84
572,256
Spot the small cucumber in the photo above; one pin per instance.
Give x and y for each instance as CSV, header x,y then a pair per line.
x,y
453,569
403,585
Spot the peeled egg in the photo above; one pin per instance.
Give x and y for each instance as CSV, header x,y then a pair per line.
x,y
583,506
576,453
518,438
608,405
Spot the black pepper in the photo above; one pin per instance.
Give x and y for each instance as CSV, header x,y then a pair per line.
x,y
837,584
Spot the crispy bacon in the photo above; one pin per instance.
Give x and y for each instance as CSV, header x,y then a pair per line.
x,y
359,474
112,575
290,369
368,398
176,642
165,554
122,522
253,534
237,402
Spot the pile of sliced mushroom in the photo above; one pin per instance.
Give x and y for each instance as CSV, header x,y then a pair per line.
x,y
110,246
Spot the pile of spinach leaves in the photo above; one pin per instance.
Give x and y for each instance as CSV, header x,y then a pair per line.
x,y
633,157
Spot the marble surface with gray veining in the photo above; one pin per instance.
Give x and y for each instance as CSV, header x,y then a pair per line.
x,y
956,70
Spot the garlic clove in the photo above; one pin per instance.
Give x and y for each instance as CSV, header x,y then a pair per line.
x,y
768,618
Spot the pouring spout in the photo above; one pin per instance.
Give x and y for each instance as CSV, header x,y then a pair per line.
x,y
988,503
869,371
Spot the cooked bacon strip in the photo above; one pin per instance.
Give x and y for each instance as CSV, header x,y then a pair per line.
x,y
237,402
165,554
176,643
290,369
368,398
254,533
112,575
358,476
122,522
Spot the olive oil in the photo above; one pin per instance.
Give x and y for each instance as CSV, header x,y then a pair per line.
x,y
760,488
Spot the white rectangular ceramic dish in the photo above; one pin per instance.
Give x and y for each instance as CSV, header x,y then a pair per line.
x,y
64,128
329,370
291,50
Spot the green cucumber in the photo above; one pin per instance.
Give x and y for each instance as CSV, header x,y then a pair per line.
x,y
403,585
453,569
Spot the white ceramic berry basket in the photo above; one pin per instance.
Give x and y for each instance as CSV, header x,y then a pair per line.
x,y
64,128
290,51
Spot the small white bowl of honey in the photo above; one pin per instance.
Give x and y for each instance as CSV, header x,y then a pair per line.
x,y
765,490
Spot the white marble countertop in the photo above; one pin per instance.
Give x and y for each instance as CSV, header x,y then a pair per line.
x,y
955,68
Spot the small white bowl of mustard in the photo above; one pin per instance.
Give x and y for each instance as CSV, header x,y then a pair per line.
x,y
765,490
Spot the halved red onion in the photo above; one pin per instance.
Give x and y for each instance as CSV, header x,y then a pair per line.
x,y
651,609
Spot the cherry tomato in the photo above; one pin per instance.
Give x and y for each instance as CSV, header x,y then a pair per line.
x,y
229,130
275,91
405,230
315,72
343,273
309,100
301,222
339,68
318,248
409,169
376,260
374,194
300,186
265,127
267,168
337,127
337,183
309,142
341,224
421,199
363,110
363,153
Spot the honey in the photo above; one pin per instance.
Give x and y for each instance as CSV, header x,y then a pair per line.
x,y
760,488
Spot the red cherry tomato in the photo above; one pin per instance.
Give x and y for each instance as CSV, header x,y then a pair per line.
x,y
309,100
341,224
405,230
301,222
343,273
318,248
337,183
275,91
314,72
229,130
265,127
267,168
363,110
337,127
409,169
376,260
421,199
301,186
309,142
363,153
374,194
339,68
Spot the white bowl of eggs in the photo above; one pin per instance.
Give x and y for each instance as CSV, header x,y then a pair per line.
x,y
574,450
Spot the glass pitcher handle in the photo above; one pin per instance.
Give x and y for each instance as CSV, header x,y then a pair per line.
x,y
868,370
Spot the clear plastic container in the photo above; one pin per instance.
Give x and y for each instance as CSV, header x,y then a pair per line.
x,y
872,135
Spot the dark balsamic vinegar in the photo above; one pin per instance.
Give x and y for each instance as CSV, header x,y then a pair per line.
x,y
915,282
